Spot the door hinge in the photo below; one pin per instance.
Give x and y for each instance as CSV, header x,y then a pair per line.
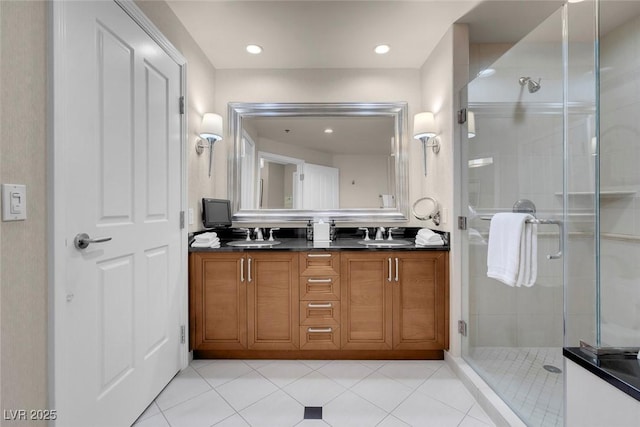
x,y
181,219
462,328
462,223
462,116
181,105
183,334
301,177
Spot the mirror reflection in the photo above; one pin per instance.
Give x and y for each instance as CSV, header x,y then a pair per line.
x,y
319,157
320,162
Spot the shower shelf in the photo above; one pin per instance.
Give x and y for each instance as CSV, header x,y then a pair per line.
x,y
605,193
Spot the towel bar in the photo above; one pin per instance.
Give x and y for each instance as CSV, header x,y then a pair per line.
x,y
557,222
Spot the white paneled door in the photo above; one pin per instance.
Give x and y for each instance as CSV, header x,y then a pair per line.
x,y
117,164
320,187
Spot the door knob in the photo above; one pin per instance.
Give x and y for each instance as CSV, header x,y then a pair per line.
x,y
82,240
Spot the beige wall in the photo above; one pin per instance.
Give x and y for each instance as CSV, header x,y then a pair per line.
x,y
23,50
442,76
200,99
318,85
363,178
23,270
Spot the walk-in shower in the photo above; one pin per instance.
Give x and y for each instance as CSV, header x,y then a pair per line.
x,y
572,150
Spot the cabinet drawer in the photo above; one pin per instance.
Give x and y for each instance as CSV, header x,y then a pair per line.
x,y
319,338
314,313
314,263
320,288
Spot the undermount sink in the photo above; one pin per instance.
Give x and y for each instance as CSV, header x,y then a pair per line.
x,y
253,243
385,243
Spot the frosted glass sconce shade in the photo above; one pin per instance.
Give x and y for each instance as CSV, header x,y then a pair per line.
x,y
424,130
424,125
211,127
210,132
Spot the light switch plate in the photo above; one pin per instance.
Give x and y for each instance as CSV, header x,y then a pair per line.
x,y
14,202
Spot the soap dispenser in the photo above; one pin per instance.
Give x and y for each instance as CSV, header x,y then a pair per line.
x,y
310,230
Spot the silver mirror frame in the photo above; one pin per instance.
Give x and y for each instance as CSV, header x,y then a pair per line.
x,y
398,110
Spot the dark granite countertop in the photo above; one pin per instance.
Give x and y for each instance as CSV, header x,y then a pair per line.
x,y
295,240
622,372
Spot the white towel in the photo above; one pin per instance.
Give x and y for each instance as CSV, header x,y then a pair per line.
x,y
426,237
206,237
426,232
214,243
513,248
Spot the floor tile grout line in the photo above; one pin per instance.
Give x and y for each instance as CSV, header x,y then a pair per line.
x,y
345,389
166,419
184,401
220,395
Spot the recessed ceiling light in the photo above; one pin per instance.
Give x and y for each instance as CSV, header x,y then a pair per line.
x,y
575,1
254,49
487,72
328,130
381,49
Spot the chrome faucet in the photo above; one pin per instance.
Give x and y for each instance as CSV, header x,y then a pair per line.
x,y
366,232
380,233
258,234
390,232
248,231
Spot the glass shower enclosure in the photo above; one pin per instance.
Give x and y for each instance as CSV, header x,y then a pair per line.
x,y
530,148
555,124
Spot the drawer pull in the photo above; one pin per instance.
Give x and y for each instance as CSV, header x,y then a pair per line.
x,y
319,330
320,280
319,255
316,305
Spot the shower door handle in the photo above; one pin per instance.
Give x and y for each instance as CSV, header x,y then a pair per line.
x,y
558,254
560,225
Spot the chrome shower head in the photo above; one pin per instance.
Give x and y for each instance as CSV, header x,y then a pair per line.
x,y
532,85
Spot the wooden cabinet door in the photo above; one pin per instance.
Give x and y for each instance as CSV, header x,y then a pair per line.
x,y
272,300
219,301
420,301
367,292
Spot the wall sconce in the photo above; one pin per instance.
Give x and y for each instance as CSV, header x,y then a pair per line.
x,y
210,132
424,129
471,124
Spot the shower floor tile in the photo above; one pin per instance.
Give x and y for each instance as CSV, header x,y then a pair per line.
x,y
518,376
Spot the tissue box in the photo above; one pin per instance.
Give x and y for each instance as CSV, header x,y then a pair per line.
x,y
321,232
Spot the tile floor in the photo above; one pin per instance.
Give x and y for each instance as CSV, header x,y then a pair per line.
x,y
237,393
518,376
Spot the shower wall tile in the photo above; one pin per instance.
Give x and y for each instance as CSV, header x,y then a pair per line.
x,y
618,218
497,330
580,327
620,294
539,331
620,156
493,297
538,300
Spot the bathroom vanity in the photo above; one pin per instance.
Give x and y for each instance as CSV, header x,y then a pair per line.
x,y
294,301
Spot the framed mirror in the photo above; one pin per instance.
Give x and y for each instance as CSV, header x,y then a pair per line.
x,y
304,161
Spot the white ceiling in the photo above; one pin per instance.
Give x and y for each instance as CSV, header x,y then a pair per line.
x,y
318,34
342,34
